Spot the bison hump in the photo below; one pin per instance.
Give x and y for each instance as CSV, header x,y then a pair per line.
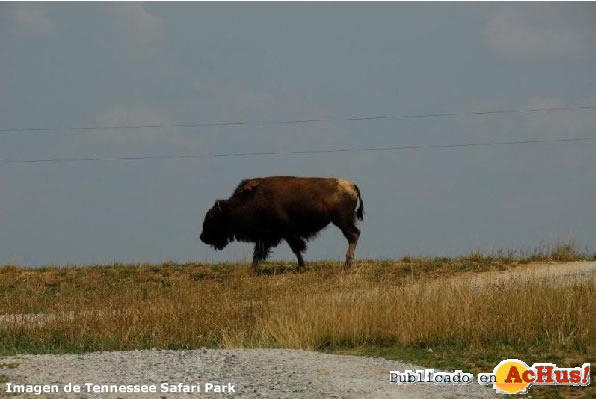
x,y
246,185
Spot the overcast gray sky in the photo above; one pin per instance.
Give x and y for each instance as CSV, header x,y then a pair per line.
x,y
66,66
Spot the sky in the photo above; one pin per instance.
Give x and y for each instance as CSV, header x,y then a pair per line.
x,y
66,66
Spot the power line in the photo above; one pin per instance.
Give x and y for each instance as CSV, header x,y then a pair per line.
x,y
299,121
300,152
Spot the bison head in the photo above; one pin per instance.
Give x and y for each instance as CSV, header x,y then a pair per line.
x,y
215,226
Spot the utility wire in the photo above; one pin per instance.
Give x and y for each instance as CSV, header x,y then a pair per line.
x,y
301,152
299,121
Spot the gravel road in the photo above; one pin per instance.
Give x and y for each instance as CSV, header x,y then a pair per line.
x,y
276,373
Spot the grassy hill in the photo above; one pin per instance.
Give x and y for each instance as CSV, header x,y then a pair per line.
x,y
454,313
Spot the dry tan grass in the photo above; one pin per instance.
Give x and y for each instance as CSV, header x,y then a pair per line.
x,y
447,313
380,302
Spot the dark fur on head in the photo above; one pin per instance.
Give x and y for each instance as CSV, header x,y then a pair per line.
x,y
216,232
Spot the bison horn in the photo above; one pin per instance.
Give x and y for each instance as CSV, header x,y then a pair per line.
x,y
219,204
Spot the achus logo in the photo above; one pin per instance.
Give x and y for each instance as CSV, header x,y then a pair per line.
x,y
513,376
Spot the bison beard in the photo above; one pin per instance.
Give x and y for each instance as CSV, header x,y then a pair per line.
x,y
271,209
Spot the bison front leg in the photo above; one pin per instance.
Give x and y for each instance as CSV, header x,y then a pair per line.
x,y
298,245
257,256
260,253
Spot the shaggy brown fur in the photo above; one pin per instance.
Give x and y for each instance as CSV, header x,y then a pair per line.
x,y
267,210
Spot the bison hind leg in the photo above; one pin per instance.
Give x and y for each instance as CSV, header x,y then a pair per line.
x,y
352,234
298,245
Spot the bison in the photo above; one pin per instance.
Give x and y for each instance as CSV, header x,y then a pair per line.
x,y
267,210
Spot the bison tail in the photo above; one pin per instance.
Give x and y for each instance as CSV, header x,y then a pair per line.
x,y
360,211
